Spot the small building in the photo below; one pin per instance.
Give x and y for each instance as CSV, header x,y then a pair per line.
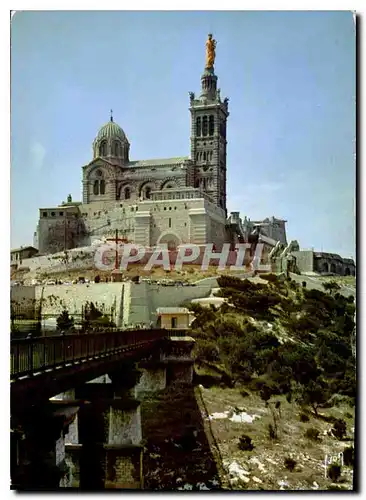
x,y
19,254
174,318
324,263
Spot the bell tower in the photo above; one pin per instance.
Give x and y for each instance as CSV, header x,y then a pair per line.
x,y
208,132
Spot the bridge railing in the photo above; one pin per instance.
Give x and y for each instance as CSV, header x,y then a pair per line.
x,y
29,356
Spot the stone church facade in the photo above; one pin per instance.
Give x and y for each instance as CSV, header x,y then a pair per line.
x,y
150,202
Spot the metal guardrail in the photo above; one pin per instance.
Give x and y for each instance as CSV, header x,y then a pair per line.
x,y
29,356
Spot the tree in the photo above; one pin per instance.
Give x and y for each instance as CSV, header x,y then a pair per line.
x,y
314,394
64,322
331,287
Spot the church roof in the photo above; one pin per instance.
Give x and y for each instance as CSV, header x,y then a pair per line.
x,y
111,130
158,162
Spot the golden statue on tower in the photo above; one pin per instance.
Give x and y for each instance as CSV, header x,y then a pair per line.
x,y
210,52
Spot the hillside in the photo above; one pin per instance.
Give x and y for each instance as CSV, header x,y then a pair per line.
x,y
277,369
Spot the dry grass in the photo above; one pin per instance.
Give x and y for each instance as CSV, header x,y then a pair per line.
x,y
291,442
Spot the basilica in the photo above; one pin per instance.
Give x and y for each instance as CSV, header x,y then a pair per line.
x,y
158,201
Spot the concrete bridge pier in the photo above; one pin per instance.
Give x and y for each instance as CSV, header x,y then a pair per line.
x,y
72,445
172,364
38,449
176,354
124,441
109,453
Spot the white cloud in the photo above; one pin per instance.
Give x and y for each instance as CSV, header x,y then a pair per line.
x,y
38,154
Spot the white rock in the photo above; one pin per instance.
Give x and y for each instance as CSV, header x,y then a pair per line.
x,y
315,486
243,417
236,470
257,480
215,416
202,486
255,460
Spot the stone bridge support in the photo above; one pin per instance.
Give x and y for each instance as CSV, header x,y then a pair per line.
x,y
110,452
172,364
38,448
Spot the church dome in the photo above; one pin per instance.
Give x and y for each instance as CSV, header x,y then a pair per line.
x,y
111,130
111,143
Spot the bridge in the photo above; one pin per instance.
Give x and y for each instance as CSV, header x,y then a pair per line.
x,y
65,415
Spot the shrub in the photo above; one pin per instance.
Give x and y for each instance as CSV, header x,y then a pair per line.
x,y
97,279
245,443
303,417
290,463
64,322
349,456
340,429
334,472
312,434
272,433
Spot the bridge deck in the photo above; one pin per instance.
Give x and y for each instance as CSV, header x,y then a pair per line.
x,y
30,357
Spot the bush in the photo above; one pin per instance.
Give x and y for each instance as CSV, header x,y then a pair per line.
x,y
303,417
340,429
272,433
245,443
290,464
349,456
334,472
97,279
312,434
64,322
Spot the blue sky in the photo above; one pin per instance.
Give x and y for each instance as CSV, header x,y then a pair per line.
x,y
290,77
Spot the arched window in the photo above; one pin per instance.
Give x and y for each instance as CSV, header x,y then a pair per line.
x,y
103,149
148,193
198,126
211,125
96,187
127,193
204,156
102,186
116,149
204,126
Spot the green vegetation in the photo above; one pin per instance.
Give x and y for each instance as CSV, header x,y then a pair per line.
x,y
290,464
64,322
95,319
334,472
279,338
245,443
